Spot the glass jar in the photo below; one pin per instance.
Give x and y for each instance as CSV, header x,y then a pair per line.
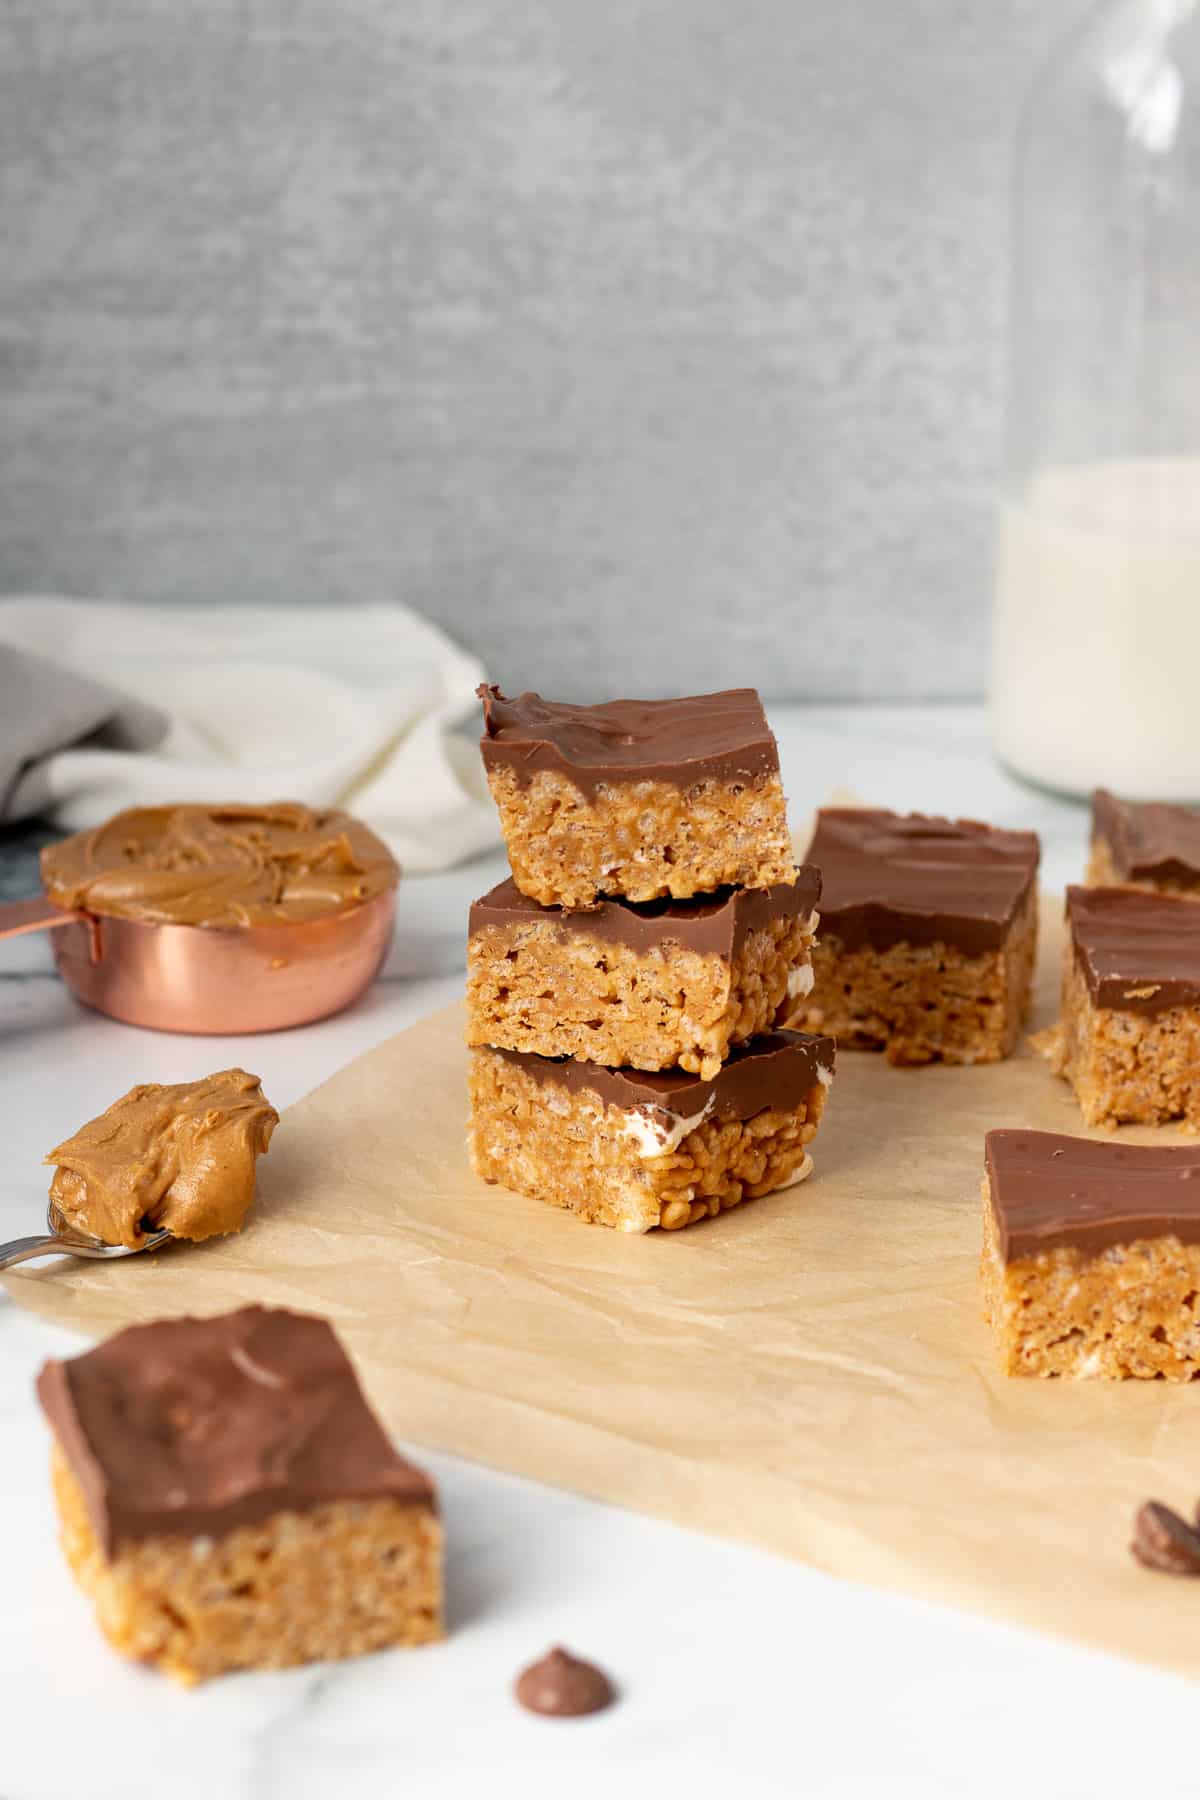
x,y
1096,638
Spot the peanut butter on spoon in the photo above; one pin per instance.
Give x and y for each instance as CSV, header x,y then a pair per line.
x,y
179,1158
220,866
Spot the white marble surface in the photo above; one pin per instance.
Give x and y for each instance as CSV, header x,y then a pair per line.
x,y
741,1673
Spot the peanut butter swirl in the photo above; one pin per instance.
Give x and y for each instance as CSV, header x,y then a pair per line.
x,y
220,866
178,1158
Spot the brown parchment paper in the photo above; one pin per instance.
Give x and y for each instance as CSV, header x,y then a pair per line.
x,y
809,1373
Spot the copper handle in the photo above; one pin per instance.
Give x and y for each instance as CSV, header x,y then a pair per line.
x,y
20,917
38,914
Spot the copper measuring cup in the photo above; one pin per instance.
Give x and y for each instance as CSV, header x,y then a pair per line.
x,y
213,980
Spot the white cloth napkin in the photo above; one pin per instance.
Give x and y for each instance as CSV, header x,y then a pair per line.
x,y
349,707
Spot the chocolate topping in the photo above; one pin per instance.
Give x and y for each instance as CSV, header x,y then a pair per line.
x,y
889,878
776,1069
188,1427
177,1158
220,866
1139,951
723,737
1148,841
1048,1190
714,924
562,1686
1165,1542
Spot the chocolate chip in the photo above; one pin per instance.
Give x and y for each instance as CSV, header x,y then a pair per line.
x,y
1164,1541
562,1686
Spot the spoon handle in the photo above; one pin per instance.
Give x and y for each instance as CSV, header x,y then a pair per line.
x,y
23,1249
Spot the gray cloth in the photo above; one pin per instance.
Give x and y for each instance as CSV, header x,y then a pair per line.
x,y
44,709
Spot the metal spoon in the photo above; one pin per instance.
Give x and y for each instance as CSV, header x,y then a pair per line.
x,y
67,1240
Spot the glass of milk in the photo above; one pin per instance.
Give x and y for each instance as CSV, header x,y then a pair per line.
x,y
1096,636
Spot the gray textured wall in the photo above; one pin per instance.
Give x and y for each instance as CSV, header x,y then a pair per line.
x,y
647,343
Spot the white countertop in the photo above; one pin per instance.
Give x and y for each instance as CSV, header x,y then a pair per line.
x,y
741,1673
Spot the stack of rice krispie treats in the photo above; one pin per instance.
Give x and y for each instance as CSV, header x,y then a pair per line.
x,y
631,987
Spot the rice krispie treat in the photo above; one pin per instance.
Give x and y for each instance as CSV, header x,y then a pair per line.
x,y
1091,1256
1148,845
228,1500
638,1150
1129,1037
928,935
672,984
636,799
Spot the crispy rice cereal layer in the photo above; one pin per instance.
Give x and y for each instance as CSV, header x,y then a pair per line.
x,y
531,988
572,1150
345,1578
925,1003
640,840
1125,1067
1128,1310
